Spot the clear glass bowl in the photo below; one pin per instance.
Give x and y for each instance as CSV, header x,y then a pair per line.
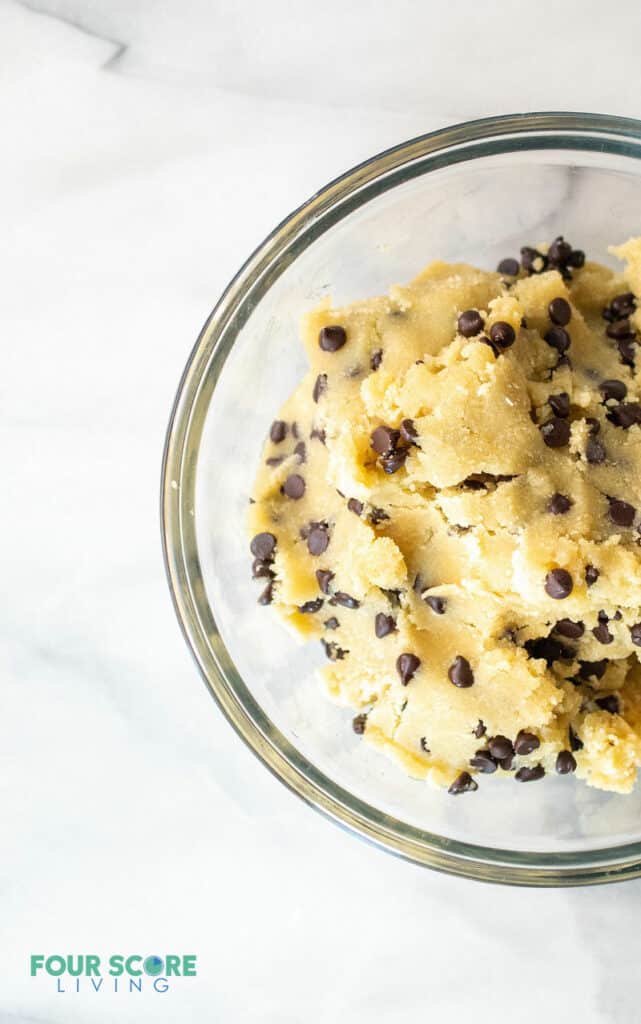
x,y
474,192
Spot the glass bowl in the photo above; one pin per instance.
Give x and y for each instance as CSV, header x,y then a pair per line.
x,y
473,192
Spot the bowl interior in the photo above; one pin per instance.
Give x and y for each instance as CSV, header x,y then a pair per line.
x,y
478,208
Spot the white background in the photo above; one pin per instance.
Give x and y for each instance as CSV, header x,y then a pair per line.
x,y
147,147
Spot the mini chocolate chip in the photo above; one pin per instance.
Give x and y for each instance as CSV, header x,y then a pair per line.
x,y
560,250
278,431
627,351
603,616
525,743
331,623
384,624
384,440
625,415
560,312
624,304
615,389
602,633
377,515
376,360
559,504
484,762
409,433
568,628
558,338
275,460
463,783
635,634
407,665
332,338
558,584
500,747
311,606
301,451
263,546
576,259
533,261
479,729
268,594
617,615
621,513
560,404
345,600
470,323
355,506
609,703
565,763
318,434
595,452
437,604
424,746
620,330
392,463
324,577
502,334
508,266
593,425
359,723
590,669
333,651
526,774
576,743
261,568
320,386
317,540
591,575
460,672
507,763
556,432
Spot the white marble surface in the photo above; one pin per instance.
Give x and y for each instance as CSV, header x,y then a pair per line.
x,y
147,148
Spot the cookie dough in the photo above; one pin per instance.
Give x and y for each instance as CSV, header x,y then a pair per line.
x,y
451,502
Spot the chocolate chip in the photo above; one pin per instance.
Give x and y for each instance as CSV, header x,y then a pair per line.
x,y
525,743
324,577
568,628
384,440
502,334
407,665
424,746
560,312
591,575
602,633
558,584
384,625
560,251
261,568
565,763
576,259
409,433
318,434
463,783
556,432
376,360
558,338
359,723
500,747
355,506
533,261
484,762
301,451
593,669
635,634
609,703
345,600
437,604
559,504
595,452
479,729
268,594
333,651
311,606
392,463
545,647
460,672
320,386
278,431
620,330
621,513
331,623
593,425
317,540
575,742
625,415
526,774
263,546
470,323
624,304
332,338
509,267
507,763
614,389
560,404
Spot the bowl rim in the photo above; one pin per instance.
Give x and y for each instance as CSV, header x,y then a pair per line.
x,y
421,154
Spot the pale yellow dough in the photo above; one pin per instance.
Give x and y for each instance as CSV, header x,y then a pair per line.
x,y
422,532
